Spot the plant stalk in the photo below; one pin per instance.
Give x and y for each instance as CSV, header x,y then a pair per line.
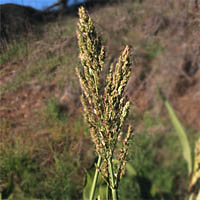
x,y
92,191
113,186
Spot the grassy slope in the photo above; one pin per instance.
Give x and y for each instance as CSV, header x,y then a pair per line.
x,y
44,143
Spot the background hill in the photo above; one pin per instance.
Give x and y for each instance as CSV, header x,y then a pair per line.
x,y
44,142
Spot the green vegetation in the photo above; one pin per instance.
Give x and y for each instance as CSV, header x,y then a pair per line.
x,y
50,170
156,178
191,163
181,135
26,179
54,112
152,49
14,52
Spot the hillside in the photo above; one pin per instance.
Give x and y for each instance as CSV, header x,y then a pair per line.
x,y
40,109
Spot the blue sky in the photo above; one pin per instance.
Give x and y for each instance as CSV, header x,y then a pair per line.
x,y
38,4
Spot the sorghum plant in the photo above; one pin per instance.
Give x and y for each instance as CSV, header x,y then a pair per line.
x,y
105,110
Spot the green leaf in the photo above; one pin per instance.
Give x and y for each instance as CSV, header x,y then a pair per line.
x,y
130,170
102,189
180,133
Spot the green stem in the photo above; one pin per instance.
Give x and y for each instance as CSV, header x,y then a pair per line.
x,y
92,191
113,186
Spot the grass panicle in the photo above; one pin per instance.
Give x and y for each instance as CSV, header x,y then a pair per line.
x,y
105,112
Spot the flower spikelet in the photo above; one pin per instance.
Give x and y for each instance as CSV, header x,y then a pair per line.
x,y
92,60
123,154
116,105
